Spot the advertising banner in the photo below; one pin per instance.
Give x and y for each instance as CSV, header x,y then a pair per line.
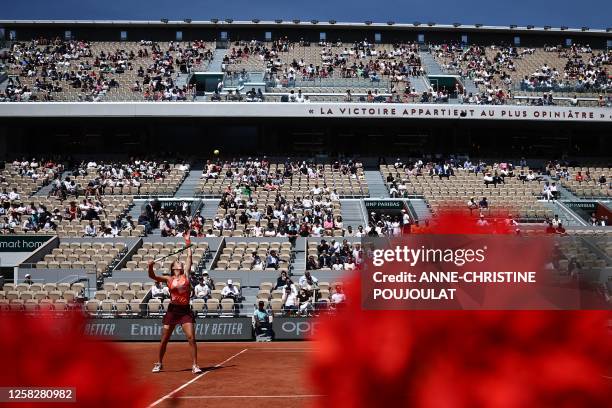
x,y
150,329
308,110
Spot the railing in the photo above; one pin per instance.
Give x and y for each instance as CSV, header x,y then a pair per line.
x,y
330,83
235,80
563,87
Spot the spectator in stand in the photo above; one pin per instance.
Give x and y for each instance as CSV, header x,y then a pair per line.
x,y
547,192
602,180
338,298
272,260
257,264
201,290
144,219
560,229
308,282
349,264
28,279
289,301
160,292
90,230
305,301
482,222
311,263
472,204
208,281
282,281
230,291
483,204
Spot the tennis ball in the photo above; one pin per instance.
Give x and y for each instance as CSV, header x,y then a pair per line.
x,y
216,152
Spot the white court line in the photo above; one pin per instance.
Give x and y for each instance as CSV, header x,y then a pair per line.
x,y
194,379
250,396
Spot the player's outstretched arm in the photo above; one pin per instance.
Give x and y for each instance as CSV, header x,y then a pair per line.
x,y
152,274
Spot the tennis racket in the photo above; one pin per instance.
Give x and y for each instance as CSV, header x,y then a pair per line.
x,y
173,253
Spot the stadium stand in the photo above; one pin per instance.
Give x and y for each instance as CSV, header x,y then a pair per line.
x,y
295,71
24,178
345,178
254,256
139,178
268,222
501,72
78,255
59,70
151,250
496,190
589,182
67,218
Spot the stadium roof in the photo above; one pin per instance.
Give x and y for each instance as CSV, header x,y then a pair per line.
x,y
312,23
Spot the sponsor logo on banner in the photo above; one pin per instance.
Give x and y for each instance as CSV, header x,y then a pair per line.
x,y
22,243
384,204
151,329
294,328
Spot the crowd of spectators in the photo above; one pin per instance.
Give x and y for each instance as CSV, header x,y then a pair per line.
x,y
56,65
308,214
493,174
362,59
173,219
41,171
280,219
336,256
584,70
110,177
492,69
53,66
40,218
304,297
157,79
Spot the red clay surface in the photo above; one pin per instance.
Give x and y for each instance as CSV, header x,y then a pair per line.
x,y
235,374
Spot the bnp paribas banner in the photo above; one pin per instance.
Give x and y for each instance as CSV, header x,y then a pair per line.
x,y
22,243
209,329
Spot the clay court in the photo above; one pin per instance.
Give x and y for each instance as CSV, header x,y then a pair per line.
x,y
235,374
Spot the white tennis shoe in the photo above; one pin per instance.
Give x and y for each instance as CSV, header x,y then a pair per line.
x,y
157,368
196,370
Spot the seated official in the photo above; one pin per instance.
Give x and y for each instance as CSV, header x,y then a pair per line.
x,y
261,320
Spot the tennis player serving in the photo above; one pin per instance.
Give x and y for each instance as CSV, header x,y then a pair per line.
x,y
179,311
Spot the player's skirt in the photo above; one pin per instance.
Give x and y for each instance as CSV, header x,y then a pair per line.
x,y
178,314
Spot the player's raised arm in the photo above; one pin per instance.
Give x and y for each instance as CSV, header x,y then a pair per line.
x,y
152,274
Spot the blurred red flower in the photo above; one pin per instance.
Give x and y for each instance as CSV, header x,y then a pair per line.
x,y
48,351
461,359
